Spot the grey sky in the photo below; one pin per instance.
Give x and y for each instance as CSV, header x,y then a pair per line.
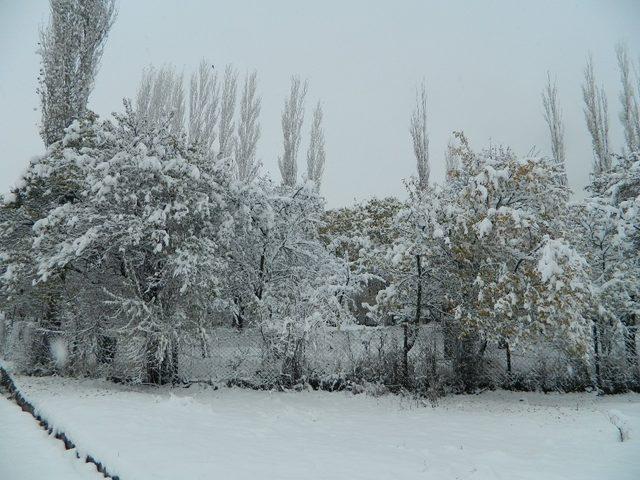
x,y
485,63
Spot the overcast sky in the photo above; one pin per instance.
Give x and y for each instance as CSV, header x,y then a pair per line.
x,y
485,64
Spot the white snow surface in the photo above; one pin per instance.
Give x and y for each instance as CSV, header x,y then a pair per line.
x,y
27,452
200,433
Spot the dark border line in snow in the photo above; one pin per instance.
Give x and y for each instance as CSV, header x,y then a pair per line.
x,y
8,384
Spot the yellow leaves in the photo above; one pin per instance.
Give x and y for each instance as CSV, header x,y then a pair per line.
x,y
522,170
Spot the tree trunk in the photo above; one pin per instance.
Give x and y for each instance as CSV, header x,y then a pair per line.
x,y
596,354
468,361
174,362
154,373
449,339
346,284
49,325
504,345
164,370
238,317
411,331
631,348
405,355
418,290
106,350
260,290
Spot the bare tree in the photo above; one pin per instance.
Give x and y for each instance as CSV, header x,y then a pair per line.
x,y
70,49
227,112
420,136
248,130
316,152
629,115
160,97
204,97
553,117
597,118
292,119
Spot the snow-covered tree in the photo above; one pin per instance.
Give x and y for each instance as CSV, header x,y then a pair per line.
x,y
630,113
553,117
607,224
160,98
70,49
248,131
204,98
497,267
420,136
282,277
623,193
610,275
154,211
508,231
451,160
597,118
227,112
292,119
275,244
360,235
209,115
51,181
412,295
316,153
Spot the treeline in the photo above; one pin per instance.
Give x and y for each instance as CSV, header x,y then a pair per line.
x,y
134,235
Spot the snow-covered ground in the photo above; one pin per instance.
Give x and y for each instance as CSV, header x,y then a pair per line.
x,y
198,433
27,452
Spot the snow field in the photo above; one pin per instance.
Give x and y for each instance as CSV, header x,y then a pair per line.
x,y
198,433
27,452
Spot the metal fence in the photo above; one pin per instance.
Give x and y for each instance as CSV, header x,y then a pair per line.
x,y
336,356
370,354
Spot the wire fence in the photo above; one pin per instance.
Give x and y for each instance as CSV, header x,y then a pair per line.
x,y
334,358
